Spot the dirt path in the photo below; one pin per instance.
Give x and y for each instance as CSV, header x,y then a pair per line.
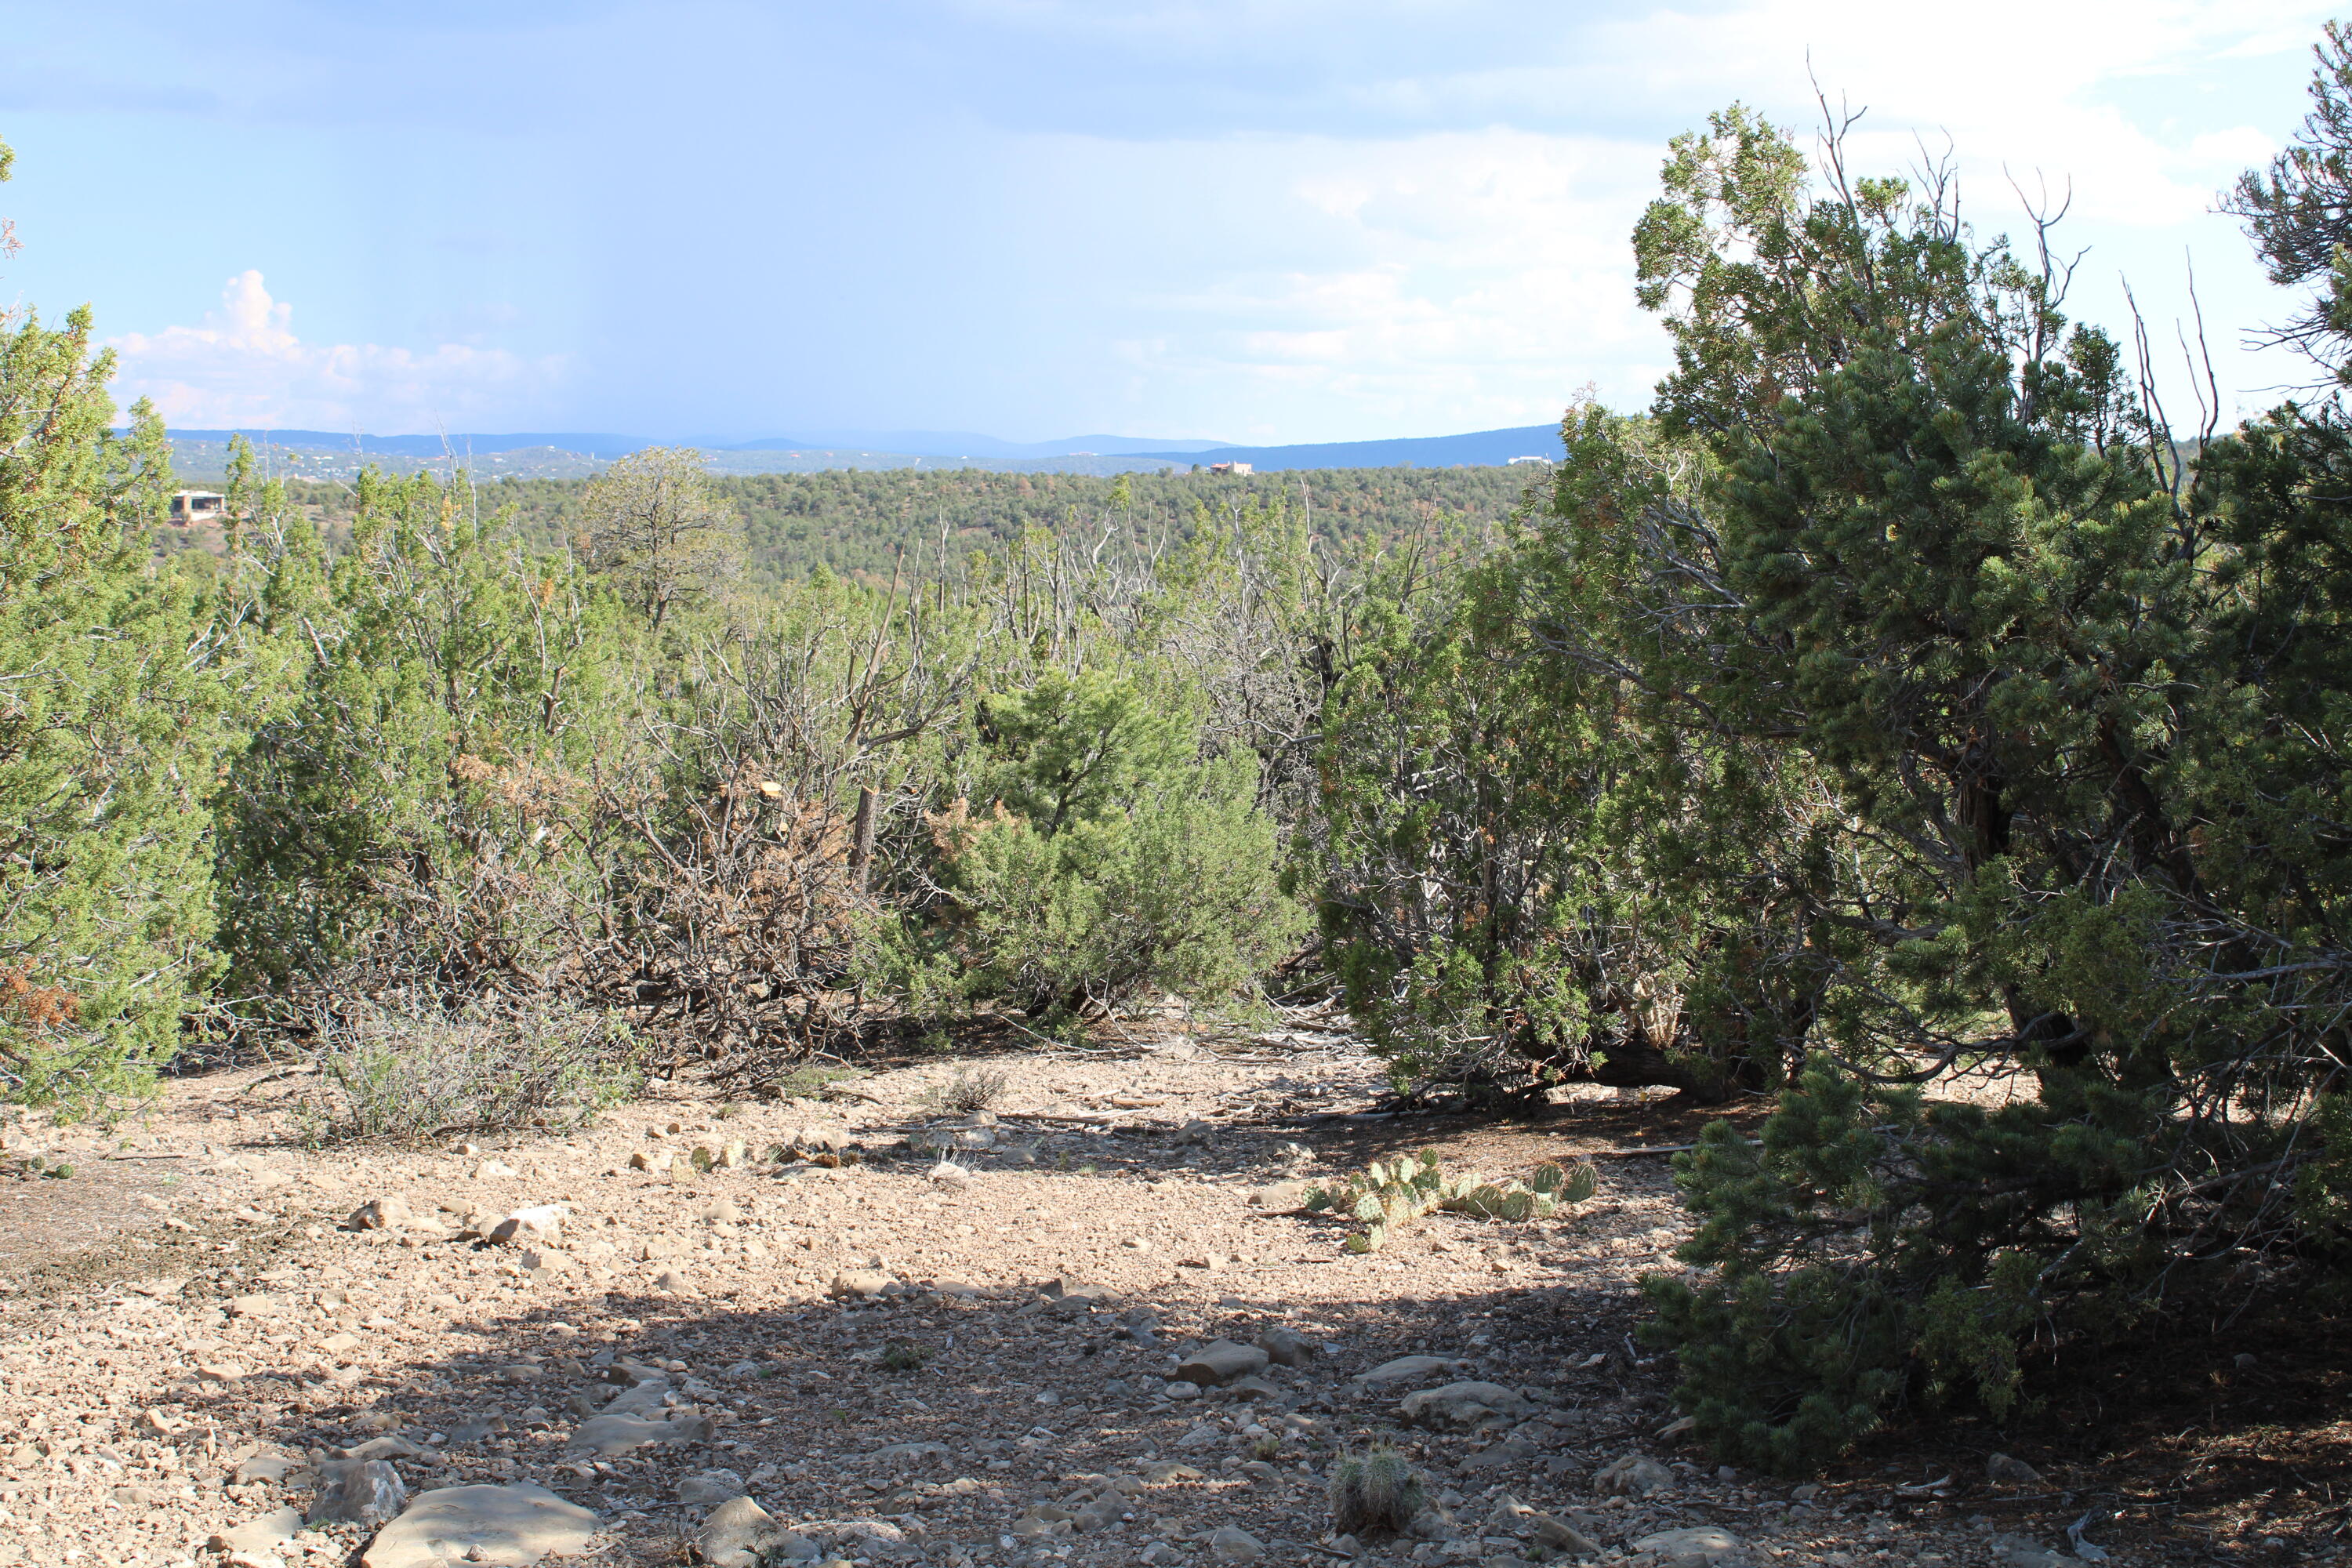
x,y
901,1365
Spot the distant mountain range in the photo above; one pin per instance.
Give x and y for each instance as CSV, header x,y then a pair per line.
x,y
324,454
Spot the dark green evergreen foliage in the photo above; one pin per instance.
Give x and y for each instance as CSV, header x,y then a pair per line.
x,y
2299,210
2077,721
871,523
111,729
1541,870
1115,857
417,775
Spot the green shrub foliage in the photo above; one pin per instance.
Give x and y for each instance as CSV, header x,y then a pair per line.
x,y
2077,715
1117,858
111,726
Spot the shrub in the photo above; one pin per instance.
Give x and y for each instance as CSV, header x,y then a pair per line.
x,y
968,1091
1137,865
2077,715
415,1073
111,726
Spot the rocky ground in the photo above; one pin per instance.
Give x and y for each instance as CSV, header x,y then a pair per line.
x,y
1086,1326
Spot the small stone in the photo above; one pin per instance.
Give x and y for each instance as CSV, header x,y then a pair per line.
x,y
1563,1537
1138,1243
1220,1362
1182,1388
359,1491
1634,1475
1104,1513
1692,1548
608,1436
643,1160
1231,1545
2002,1470
260,1534
739,1533
1462,1405
1167,1473
1285,1346
266,1465
709,1487
644,1399
2019,1552
390,1212
516,1524
1410,1369
390,1447
539,1225
1280,1197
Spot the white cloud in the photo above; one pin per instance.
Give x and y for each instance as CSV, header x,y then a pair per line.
x,y
245,367
1443,280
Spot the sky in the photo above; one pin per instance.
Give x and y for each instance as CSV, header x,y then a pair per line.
x,y
1259,221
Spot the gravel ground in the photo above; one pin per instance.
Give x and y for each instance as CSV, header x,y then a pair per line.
x,y
1005,1398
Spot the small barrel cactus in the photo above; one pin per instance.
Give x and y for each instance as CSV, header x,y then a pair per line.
x,y
1377,1493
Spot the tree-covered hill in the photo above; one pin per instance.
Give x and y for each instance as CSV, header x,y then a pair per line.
x,y
853,522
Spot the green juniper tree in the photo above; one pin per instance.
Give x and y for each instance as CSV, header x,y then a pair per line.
x,y
2071,718
111,731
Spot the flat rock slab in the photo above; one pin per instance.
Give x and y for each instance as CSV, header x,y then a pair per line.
x,y
1411,1369
739,1534
1700,1543
1214,1365
609,1436
511,1526
1462,1405
261,1535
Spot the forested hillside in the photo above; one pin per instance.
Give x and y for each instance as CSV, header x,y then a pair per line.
x,y
855,521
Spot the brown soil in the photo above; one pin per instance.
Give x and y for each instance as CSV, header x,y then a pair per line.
x,y
135,1371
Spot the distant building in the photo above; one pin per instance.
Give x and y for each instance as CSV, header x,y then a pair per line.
x,y
1230,469
198,506
1530,459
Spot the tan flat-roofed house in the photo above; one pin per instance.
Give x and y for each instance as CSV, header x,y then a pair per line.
x,y
198,506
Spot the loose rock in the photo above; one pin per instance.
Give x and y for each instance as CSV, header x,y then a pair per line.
x,y
1462,1405
707,1487
606,1436
739,1533
1410,1369
511,1525
1223,1362
389,1212
1635,1474
1231,1545
2002,1470
1693,1547
360,1491
260,1534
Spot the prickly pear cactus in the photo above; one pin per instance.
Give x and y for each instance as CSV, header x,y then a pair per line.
x,y
1393,1192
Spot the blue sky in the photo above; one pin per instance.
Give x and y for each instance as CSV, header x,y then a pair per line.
x,y
1258,220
